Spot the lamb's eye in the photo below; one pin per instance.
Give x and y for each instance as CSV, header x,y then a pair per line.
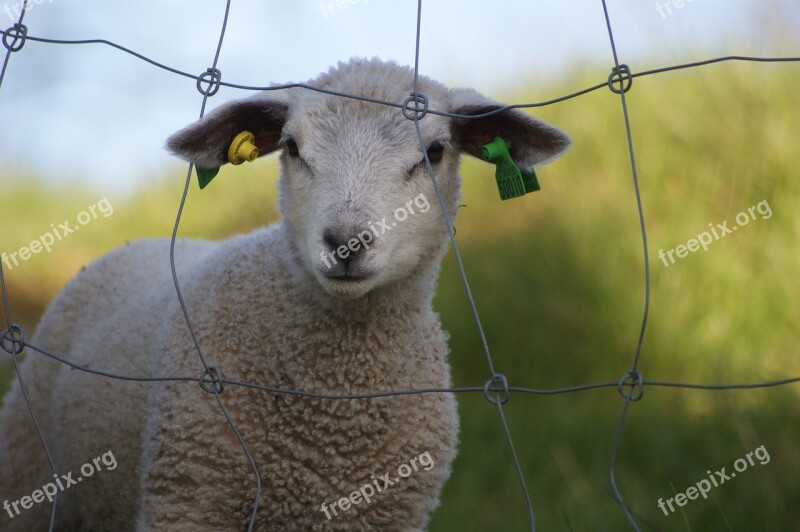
x,y
291,145
435,152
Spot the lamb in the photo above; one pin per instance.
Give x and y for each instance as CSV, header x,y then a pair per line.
x,y
292,305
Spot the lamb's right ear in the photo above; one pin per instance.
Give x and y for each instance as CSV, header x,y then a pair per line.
x,y
530,141
206,142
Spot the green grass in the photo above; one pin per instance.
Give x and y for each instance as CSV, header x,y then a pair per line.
x,y
558,280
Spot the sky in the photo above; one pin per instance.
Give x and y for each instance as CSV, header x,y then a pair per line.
x,y
92,115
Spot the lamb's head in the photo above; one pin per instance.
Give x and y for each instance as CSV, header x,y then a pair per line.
x,y
356,195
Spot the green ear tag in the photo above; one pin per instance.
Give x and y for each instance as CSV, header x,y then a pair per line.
x,y
204,177
531,181
511,182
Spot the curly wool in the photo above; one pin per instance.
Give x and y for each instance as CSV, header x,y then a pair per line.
x,y
274,328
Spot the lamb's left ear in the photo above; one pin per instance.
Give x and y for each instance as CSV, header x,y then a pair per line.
x,y
206,142
530,141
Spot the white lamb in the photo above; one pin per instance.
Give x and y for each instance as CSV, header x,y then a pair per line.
x,y
291,306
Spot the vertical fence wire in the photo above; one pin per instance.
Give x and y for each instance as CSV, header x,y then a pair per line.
x,y
493,376
212,76
13,336
620,71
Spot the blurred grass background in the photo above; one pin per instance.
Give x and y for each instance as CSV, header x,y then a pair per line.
x,y
558,280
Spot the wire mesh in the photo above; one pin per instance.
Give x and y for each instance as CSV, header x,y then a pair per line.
x,y
630,386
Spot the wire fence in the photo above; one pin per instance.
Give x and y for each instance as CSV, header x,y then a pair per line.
x,y
496,389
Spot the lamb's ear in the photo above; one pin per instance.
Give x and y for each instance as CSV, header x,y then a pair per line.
x,y
206,142
530,141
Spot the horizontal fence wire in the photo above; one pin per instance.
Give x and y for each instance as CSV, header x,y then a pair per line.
x,y
496,389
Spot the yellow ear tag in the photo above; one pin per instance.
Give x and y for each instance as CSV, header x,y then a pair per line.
x,y
243,148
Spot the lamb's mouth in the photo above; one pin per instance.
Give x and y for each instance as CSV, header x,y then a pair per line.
x,y
348,285
350,273
348,277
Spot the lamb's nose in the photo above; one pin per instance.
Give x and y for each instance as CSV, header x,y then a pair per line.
x,y
336,239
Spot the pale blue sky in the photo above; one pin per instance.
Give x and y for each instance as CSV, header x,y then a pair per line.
x,y
93,114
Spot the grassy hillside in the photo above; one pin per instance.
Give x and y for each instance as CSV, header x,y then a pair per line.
x,y
558,280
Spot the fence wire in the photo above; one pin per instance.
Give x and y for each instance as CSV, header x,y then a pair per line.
x,y
496,389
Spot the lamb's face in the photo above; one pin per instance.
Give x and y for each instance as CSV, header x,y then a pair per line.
x,y
356,192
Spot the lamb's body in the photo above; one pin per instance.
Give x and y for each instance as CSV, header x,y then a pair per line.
x,y
269,308
272,329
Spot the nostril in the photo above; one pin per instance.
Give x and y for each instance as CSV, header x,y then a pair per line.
x,y
334,239
343,244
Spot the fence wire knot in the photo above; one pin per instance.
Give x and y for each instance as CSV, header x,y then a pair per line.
x,y
497,384
13,341
211,380
416,112
19,32
621,75
634,380
212,77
